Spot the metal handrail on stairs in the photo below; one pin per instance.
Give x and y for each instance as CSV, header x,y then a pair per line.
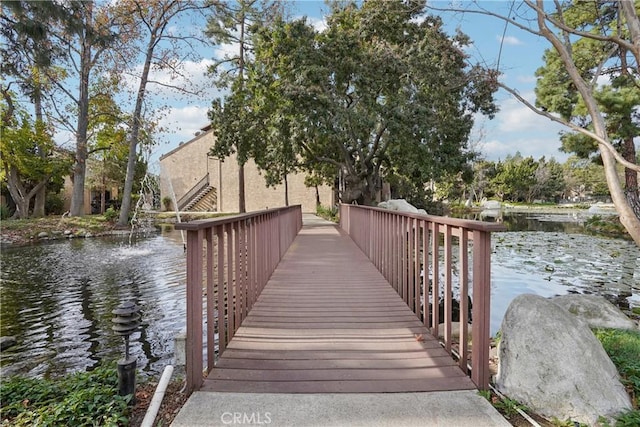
x,y
195,190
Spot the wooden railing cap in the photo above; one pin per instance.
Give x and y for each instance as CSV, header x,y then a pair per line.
x,y
201,224
469,224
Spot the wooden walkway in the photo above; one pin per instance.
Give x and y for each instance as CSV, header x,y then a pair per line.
x,y
328,322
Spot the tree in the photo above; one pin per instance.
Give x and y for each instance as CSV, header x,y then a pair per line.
x,y
618,98
153,19
29,160
617,46
235,23
383,90
27,52
584,179
83,45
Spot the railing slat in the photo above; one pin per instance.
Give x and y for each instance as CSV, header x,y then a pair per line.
x,y
241,253
194,308
406,248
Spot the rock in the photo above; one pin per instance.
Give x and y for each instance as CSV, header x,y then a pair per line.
x,y
43,235
6,342
67,233
400,205
595,310
455,330
491,205
551,362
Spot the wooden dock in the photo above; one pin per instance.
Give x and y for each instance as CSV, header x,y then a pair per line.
x,y
328,322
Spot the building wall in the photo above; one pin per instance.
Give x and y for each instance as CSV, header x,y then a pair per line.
x,y
187,164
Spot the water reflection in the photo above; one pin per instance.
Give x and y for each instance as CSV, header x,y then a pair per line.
x,y
57,300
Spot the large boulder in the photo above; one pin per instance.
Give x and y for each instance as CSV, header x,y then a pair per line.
x,y
551,362
595,310
400,205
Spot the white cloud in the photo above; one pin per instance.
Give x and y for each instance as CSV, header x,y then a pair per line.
x,y
510,40
319,24
182,123
518,129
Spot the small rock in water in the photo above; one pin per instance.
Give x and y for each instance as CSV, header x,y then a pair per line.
x,y
43,235
6,342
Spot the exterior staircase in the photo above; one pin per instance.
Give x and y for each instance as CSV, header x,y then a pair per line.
x,y
205,201
201,198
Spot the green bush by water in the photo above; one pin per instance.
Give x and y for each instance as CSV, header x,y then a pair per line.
x,y
80,399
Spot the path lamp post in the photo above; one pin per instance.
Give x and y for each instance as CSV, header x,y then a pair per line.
x,y
126,322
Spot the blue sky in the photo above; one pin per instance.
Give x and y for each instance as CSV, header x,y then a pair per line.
x,y
514,129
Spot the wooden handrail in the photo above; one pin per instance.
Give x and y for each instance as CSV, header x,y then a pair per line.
x,y
406,248
229,261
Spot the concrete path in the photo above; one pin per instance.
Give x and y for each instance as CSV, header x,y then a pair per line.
x,y
445,409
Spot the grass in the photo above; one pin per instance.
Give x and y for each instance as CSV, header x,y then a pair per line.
x,y
623,348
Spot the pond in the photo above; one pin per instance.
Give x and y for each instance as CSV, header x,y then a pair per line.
x,y
57,298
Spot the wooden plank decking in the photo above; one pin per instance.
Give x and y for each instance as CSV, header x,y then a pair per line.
x,y
328,322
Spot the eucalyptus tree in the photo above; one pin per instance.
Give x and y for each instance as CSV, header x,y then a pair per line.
x,y
382,90
83,48
591,41
233,24
151,22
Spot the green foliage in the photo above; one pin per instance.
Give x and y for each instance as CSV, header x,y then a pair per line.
x,y
167,203
4,211
611,73
328,213
623,347
509,407
81,399
382,91
606,226
111,215
54,205
486,394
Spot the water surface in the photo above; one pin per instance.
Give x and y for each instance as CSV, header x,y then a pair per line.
x,y
57,298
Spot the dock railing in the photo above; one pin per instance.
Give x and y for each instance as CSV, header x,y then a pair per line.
x,y
415,253
229,261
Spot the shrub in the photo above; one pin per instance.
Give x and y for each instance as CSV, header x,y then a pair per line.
x,y
4,212
167,203
328,213
111,215
84,398
54,205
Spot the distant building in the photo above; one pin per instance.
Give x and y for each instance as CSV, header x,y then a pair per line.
x,y
197,182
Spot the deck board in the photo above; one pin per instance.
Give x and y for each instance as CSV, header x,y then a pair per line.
x,y
328,322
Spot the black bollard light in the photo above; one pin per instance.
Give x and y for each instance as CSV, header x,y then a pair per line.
x,y
126,322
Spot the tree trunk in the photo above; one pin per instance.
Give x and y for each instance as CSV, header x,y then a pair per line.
x,y
80,167
41,195
19,194
39,202
631,177
286,191
135,132
241,200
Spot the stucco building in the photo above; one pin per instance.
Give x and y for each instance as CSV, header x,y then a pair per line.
x,y
198,182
